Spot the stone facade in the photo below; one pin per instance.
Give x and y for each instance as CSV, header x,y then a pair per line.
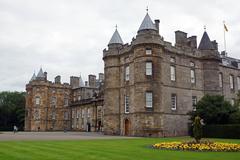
x,y
149,87
53,106
162,82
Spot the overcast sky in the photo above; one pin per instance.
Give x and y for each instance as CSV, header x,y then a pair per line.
x,y
66,37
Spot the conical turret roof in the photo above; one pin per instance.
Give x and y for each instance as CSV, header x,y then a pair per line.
x,y
40,74
147,23
33,77
205,43
116,38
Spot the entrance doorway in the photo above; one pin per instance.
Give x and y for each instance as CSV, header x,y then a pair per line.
x,y
127,127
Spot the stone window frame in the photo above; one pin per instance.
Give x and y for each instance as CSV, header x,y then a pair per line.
x,y
148,51
147,68
37,100
65,115
172,60
192,76
173,79
238,82
231,82
126,104
148,101
174,103
54,100
65,101
194,102
127,73
220,79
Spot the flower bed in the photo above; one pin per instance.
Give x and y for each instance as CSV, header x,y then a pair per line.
x,y
202,146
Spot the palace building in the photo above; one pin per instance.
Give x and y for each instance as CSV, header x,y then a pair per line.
x,y
148,87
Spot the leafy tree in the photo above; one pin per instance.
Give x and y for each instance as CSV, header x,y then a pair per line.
x,y
197,129
12,110
214,110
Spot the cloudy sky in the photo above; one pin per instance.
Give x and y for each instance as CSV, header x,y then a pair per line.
x,y
66,37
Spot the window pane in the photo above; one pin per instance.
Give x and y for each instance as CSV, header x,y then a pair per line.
x,y
231,82
148,51
173,102
127,73
126,104
149,99
192,76
172,71
238,82
148,68
220,80
194,102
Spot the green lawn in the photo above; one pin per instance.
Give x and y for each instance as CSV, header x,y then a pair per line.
x,y
132,149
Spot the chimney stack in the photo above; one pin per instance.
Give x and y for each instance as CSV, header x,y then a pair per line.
x,y
157,21
45,76
92,80
58,79
74,81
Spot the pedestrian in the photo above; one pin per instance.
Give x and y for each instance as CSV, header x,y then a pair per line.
x,y
14,129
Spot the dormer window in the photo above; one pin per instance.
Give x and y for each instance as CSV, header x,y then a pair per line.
x,y
148,51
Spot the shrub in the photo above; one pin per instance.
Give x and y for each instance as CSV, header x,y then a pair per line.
x,y
222,131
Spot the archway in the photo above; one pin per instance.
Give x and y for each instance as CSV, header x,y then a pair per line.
x,y
127,127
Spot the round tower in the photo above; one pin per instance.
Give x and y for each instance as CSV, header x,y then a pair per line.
x,y
112,84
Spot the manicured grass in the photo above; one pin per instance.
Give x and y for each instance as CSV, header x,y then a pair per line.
x,y
125,149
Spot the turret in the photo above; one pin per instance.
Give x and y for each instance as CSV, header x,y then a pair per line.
x,y
41,76
211,61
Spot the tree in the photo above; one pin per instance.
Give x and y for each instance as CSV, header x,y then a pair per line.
x,y
197,129
12,110
214,110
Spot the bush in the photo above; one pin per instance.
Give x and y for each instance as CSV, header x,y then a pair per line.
x,y
222,131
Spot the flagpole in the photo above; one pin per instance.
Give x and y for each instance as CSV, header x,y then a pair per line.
x,y
224,36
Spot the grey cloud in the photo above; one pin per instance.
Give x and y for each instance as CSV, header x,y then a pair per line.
x,y
66,37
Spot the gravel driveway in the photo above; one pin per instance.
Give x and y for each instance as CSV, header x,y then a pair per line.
x,y
9,136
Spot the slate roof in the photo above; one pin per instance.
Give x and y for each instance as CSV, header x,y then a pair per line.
x,y
205,43
40,74
147,23
116,38
33,77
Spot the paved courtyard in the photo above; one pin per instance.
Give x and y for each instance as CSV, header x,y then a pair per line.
x,y
6,136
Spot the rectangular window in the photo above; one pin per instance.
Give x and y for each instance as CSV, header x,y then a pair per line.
x,y
126,99
37,100
65,102
83,113
77,113
172,60
173,73
72,113
192,64
238,82
127,73
54,100
65,115
231,82
173,101
88,112
148,51
149,99
220,80
194,102
53,115
193,80
148,68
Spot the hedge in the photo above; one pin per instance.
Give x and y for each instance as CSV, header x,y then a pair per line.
x,y
220,131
